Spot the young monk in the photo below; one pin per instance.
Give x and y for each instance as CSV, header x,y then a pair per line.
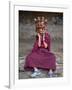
x,y
41,56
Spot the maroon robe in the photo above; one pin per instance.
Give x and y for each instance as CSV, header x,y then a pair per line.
x,y
41,57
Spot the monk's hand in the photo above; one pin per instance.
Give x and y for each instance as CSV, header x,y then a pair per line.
x,y
39,40
45,44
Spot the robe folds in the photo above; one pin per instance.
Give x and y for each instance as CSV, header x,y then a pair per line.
x,y
41,57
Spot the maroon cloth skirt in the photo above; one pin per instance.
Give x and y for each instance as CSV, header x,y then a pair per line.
x,y
40,58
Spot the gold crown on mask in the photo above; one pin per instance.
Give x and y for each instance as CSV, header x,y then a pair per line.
x,y
40,23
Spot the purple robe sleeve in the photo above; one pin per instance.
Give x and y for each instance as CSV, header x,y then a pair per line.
x,y
48,41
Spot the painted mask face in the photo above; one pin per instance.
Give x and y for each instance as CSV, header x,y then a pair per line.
x,y
40,27
40,24
41,31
